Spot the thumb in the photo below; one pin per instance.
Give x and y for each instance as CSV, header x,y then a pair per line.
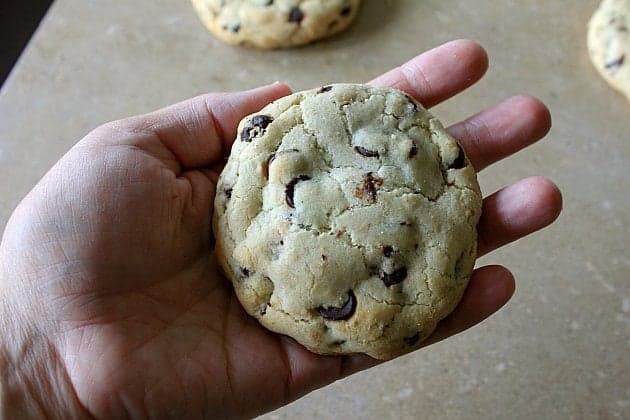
x,y
197,131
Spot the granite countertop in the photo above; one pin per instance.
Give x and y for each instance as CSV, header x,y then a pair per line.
x,y
560,349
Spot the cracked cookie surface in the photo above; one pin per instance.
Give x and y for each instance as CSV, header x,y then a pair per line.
x,y
609,43
346,218
275,23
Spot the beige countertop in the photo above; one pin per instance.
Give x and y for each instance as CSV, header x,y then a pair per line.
x,y
561,348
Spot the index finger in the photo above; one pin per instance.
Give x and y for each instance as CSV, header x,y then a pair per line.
x,y
440,73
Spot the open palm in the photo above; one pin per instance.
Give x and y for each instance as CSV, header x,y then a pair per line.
x,y
114,248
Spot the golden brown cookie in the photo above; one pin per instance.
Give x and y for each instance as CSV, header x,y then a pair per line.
x,y
346,218
275,23
609,43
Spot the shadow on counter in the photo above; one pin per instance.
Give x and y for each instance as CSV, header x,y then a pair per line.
x,y
18,21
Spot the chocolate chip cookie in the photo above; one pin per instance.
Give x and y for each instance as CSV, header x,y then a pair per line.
x,y
346,218
275,23
609,43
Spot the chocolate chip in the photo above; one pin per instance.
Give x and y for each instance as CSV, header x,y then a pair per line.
x,y
346,11
338,342
290,189
394,278
406,223
414,149
615,64
412,340
255,127
368,189
388,251
366,152
269,3
413,103
234,28
338,314
228,193
324,258
244,271
460,160
296,15
263,311
324,89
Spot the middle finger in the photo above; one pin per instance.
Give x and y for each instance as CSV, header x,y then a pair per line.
x,y
502,130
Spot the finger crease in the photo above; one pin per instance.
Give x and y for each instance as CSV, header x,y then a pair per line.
x,y
218,129
471,144
288,379
414,73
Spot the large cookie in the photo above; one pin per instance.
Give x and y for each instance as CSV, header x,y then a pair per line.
x,y
609,43
346,218
275,23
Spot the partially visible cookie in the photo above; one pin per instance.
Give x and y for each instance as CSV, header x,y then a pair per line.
x,y
275,23
346,218
609,43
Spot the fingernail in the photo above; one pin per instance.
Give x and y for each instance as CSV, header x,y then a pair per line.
x,y
279,83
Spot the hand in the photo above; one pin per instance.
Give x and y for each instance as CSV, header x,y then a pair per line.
x,y
112,305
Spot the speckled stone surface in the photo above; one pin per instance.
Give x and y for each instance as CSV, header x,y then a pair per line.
x,y
560,348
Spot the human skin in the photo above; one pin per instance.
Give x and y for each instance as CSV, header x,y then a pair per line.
x,y
112,305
